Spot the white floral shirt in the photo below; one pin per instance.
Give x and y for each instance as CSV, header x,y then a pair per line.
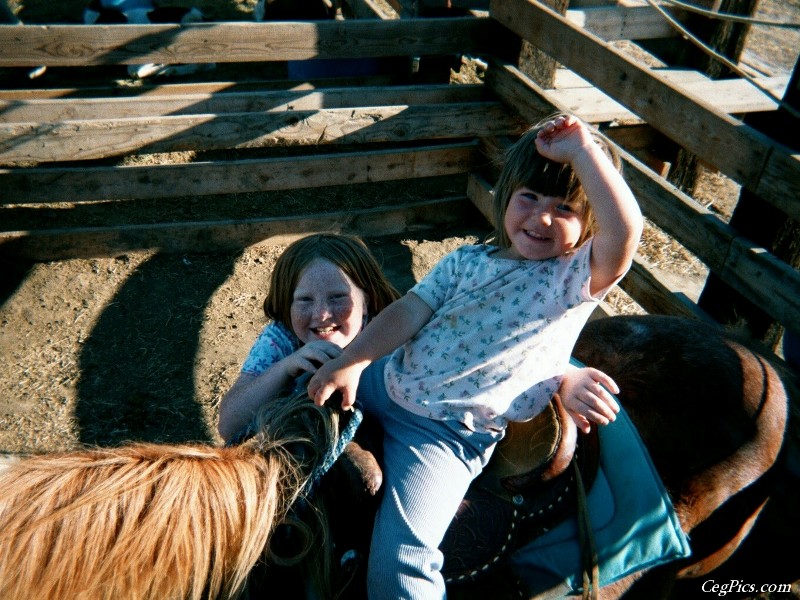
x,y
499,340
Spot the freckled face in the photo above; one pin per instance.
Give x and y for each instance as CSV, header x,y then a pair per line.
x,y
327,305
539,226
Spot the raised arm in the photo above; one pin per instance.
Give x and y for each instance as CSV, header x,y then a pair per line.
x,y
619,219
390,329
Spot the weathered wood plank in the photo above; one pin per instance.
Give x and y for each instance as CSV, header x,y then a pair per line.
x,y
592,3
229,177
749,269
83,140
696,228
103,107
81,45
60,244
369,9
745,155
781,167
634,22
732,96
520,92
656,296
568,79
750,266
153,88
479,193
689,79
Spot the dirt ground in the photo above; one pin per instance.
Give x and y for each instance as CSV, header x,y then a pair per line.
x,y
143,346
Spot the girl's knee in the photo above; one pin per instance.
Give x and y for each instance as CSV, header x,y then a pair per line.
x,y
403,571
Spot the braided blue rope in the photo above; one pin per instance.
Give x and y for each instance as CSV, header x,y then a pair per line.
x,y
333,454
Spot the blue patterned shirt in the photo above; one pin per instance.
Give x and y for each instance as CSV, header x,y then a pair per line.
x,y
274,343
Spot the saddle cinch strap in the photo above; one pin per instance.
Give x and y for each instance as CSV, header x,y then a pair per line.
x,y
528,487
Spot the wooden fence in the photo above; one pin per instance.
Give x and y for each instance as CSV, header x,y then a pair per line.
x,y
65,147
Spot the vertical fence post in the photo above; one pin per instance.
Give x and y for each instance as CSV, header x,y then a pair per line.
x,y
765,225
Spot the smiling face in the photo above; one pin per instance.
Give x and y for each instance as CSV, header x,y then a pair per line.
x,y
327,305
541,227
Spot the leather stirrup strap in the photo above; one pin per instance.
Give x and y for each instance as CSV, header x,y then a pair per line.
x,y
591,569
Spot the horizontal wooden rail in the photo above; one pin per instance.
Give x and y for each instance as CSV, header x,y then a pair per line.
x,y
634,22
82,45
218,236
731,96
52,110
91,139
748,157
233,176
156,87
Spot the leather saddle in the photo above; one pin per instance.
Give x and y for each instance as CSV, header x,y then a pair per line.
x,y
528,487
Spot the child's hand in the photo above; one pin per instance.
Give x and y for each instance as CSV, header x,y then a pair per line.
x,y
562,138
308,358
585,394
333,376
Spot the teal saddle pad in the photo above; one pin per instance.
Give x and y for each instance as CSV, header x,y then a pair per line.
x,y
634,524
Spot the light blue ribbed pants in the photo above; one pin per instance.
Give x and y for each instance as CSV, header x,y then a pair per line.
x,y
428,466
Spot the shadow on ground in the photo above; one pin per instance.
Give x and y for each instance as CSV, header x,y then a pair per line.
x,y
137,367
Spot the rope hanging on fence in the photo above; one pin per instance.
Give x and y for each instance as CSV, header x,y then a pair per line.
x,y
716,55
730,16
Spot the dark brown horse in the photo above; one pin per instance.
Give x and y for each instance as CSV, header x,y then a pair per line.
x,y
711,412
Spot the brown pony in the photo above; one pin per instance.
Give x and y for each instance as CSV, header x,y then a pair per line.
x,y
159,521
151,521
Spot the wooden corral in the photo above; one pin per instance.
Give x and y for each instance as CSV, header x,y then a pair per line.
x,y
192,151
68,146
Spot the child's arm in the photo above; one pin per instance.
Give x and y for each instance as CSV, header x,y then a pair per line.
x,y
619,220
241,403
585,394
390,329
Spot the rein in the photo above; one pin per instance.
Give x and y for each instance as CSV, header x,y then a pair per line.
x,y
332,455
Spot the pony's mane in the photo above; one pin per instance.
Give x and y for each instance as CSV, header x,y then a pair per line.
x,y
151,520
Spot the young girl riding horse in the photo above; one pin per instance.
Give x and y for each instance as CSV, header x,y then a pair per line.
x,y
485,339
